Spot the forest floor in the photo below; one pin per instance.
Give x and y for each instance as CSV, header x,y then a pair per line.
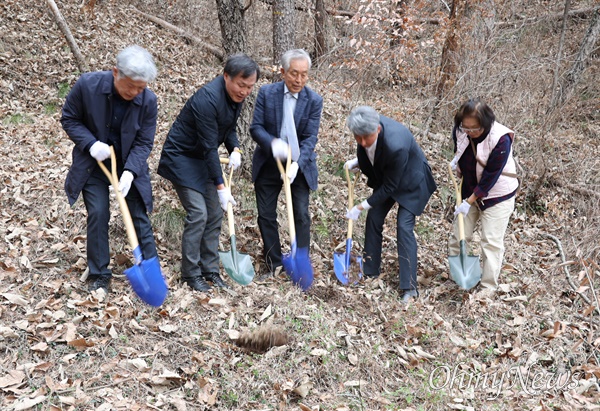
x,y
532,346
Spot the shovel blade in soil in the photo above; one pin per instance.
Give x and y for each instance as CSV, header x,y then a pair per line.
x,y
465,269
346,266
299,268
147,282
237,265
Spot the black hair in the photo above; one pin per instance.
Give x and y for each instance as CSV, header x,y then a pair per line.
x,y
478,109
240,63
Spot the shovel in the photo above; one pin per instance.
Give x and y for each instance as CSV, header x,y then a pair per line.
x,y
237,265
297,263
342,262
464,269
145,276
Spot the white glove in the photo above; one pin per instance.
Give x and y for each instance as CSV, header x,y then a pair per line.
x,y
354,213
225,197
235,160
454,163
292,171
100,151
352,165
279,149
463,208
125,182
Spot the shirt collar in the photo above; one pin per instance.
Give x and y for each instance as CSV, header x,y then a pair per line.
x,y
285,90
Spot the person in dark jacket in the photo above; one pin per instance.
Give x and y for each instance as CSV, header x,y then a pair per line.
x,y
287,115
398,172
190,160
112,108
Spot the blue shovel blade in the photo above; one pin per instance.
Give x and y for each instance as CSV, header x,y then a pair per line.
x,y
147,282
347,267
298,266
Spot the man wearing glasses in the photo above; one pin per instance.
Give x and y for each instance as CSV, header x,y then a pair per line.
x,y
286,118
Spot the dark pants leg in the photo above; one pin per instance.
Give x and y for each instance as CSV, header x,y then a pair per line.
x,y
96,200
407,249
374,237
201,230
141,222
267,187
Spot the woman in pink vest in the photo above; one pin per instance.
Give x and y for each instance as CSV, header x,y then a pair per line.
x,y
484,159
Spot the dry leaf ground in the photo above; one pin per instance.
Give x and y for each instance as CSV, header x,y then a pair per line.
x,y
533,346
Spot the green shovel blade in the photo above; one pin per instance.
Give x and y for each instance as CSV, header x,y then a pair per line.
x,y
237,265
464,268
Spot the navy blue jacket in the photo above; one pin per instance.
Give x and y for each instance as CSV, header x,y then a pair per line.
x,y
401,171
190,156
86,119
266,125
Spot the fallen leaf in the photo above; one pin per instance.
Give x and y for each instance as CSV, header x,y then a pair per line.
x,y
15,299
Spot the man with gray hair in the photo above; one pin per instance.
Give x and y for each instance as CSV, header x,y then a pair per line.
x,y
286,118
112,108
398,172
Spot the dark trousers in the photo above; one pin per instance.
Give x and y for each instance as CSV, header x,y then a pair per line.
x,y
201,231
267,186
97,203
407,243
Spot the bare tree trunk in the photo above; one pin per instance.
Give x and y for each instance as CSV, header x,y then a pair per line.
x,y
561,44
284,25
586,49
233,25
320,39
62,24
448,64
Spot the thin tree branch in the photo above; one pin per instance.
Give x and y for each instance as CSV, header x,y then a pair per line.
x,y
217,52
62,24
561,44
566,270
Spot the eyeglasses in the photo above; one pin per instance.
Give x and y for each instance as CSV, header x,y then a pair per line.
x,y
469,130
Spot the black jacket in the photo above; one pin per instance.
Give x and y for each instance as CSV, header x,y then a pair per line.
x,y
190,155
400,172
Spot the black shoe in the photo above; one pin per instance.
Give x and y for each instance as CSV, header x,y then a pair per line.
x,y
197,283
101,281
371,276
216,279
406,295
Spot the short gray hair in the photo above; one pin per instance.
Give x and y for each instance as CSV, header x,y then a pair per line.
x,y
136,63
294,54
363,121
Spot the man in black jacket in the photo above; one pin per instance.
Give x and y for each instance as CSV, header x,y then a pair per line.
x,y
112,108
398,172
190,160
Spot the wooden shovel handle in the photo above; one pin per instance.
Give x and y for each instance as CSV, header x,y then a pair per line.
x,y
114,180
461,222
288,194
351,185
227,183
